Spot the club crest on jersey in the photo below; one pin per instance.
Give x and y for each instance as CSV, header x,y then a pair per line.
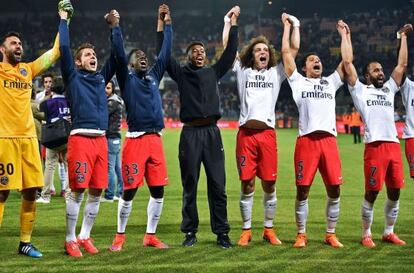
x,y
385,89
324,82
80,178
130,179
23,71
4,180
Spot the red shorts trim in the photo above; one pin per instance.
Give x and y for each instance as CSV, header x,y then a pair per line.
x,y
87,162
409,154
383,162
317,151
256,154
144,157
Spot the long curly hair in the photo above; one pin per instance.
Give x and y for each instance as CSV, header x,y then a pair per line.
x,y
246,54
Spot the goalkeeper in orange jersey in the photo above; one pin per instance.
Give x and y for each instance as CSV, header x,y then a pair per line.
x,y
20,165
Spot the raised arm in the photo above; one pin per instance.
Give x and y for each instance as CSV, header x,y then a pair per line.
x,y
351,75
165,52
227,58
295,36
66,63
287,54
227,24
117,46
399,70
162,11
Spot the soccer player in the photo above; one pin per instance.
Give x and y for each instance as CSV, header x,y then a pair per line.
x,y
316,146
87,146
259,78
143,154
407,92
200,140
382,157
20,165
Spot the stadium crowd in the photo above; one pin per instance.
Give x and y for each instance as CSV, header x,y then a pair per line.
x,y
373,38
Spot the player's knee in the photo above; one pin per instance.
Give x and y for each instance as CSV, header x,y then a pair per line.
x,y
157,192
248,186
129,194
302,193
4,195
371,196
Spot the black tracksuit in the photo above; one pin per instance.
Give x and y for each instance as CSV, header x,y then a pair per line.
x,y
199,98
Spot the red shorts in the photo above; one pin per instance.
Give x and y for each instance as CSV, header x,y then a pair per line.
x,y
256,154
87,162
144,157
409,153
317,151
382,161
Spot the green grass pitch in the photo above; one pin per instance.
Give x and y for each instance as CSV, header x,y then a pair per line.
x,y
49,232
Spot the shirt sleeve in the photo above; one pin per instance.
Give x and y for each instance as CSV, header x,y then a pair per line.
x,y
46,60
295,82
280,70
164,54
236,66
335,79
392,85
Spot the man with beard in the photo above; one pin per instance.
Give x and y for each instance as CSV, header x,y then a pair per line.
x,y
200,140
316,146
143,154
20,165
382,157
87,146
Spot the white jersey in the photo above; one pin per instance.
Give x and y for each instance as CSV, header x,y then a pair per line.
x,y
407,92
315,98
258,92
376,106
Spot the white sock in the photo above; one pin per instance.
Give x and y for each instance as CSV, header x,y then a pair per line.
x,y
269,204
90,212
301,212
73,204
246,205
154,211
62,176
391,214
332,213
367,213
124,210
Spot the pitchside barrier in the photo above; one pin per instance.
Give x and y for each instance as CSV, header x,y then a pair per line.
x,y
289,123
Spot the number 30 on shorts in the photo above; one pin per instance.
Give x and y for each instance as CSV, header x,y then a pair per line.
x,y
6,169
